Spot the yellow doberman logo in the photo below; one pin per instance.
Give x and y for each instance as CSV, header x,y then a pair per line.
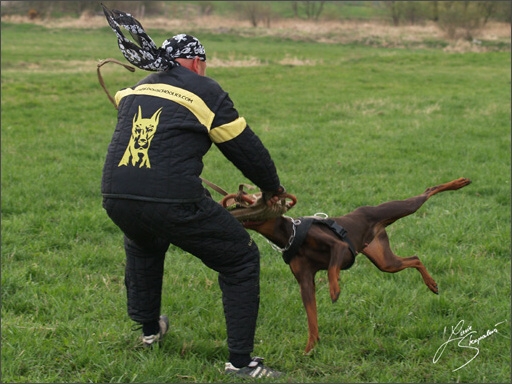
x,y
143,131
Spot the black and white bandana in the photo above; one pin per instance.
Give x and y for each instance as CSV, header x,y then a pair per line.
x,y
144,54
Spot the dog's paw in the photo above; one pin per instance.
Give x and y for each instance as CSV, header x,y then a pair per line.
x,y
433,287
310,347
335,296
462,182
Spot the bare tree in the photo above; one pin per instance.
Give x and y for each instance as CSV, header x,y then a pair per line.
x,y
295,8
460,19
312,9
256,11
414,11
488,9
435,10
395,10
206,7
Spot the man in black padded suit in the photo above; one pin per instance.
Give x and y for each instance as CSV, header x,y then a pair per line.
x,y
152,189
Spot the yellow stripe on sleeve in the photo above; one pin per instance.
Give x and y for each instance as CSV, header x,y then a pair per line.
x,y
228,131
185,98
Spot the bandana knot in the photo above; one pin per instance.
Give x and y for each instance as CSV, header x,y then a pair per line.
x,y
143,53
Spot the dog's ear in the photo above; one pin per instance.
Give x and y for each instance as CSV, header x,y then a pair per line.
x,y
137,116
156,116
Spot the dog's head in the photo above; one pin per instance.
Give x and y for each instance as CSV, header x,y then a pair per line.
x,y
252,209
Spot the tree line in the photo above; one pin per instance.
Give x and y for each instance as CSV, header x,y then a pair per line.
x,y
449,15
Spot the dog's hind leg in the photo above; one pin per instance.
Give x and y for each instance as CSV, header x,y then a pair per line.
x,y
450,186
389,212
379,252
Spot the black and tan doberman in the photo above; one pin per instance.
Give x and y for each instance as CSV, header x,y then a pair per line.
x,y
333,247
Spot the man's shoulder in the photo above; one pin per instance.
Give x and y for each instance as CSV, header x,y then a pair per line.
x,y
182,77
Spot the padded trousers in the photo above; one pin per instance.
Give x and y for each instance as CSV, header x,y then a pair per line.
x,y
204,229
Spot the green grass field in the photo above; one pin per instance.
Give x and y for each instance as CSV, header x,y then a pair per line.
x,y
360,126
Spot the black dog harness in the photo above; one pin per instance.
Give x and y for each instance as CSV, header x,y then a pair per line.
x,y
302,228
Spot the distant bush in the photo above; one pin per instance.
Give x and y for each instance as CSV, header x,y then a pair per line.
x,y
456,18
460,19
55,9
255,11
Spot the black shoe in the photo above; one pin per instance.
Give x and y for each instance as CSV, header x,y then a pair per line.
x,y
254,370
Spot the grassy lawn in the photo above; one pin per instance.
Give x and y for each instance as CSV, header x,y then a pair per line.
x,y
347,125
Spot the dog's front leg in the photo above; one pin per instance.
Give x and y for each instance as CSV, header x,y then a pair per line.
x,y
306,278
307,291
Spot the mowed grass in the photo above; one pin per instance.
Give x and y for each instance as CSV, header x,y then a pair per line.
x,y
360,126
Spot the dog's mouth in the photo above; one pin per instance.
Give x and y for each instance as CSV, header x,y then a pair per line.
x,y
252,211
141,144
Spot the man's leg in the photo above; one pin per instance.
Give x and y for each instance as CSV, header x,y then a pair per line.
x,y
143,280
145,254
212,234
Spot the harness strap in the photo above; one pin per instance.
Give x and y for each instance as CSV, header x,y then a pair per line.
x,y
302,230
340,232
300,235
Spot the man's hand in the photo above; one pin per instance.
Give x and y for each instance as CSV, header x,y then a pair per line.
x,y
272,198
